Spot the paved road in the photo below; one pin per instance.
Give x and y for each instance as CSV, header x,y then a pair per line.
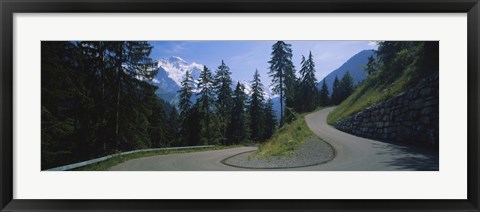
x,y
193,161
359,154
352,154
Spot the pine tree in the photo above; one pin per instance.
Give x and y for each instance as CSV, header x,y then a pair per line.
x,y
256,108
223,102
156,119
134,121
238,128
370,68
97,62
64,102
308,84
192,128
119,69
186,112
173,125
336,92
282,72
270,120
205,102
206,96
186,92
324,96
131,62
346,86
96,99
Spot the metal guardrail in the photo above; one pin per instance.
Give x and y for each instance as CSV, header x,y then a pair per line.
x,y
88,162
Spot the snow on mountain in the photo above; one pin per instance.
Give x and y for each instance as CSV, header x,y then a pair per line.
x,y
175,67
171,72
267,93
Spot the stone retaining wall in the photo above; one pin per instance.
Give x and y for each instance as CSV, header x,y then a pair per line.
x,y
410,117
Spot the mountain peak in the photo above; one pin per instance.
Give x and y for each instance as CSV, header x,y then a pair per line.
x,y
176,59
175,68
354,65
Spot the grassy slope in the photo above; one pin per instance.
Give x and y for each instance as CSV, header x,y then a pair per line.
x,y
286,139
400,67
373,91
105,165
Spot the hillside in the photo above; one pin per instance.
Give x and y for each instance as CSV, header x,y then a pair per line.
x,y
398,67
354,65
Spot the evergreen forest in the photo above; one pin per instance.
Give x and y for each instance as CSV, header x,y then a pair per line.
x,y
97,99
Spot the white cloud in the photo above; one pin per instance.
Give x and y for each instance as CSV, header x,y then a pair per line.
x,y
178,48
175,49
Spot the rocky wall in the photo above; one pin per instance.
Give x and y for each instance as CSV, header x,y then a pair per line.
x,y
410,117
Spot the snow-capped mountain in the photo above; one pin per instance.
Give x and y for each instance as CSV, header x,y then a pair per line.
x,y
175,68
171,72
267,93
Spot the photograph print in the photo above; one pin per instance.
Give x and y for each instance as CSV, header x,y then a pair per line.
x,y
228,105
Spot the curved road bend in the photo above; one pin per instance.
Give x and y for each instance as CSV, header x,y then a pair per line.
x,y
193,161
352,154
360,154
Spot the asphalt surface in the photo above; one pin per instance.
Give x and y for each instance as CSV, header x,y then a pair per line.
x,y
352,153
193,161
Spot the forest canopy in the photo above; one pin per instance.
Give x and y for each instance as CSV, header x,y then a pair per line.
x,y
97,99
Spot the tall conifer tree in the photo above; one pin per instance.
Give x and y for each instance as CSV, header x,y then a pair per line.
x,y
185,105
223,102
255,109
308,84
186,92
282,72
324,96
205,103
270,120
128,65
238,128
346,86
173,126
336,91
156,123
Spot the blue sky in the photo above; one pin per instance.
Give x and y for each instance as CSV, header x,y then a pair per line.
x,y
243,57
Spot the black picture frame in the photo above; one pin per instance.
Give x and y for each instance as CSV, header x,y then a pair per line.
x,y
9,7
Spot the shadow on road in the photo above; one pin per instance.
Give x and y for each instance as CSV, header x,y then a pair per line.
x,y
410,157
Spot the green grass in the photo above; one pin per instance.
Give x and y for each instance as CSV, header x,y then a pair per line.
x,y
370,92
286,139
105,165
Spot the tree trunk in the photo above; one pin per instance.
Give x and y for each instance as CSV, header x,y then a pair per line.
x,y
102,78
117,112
281,100
119,84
